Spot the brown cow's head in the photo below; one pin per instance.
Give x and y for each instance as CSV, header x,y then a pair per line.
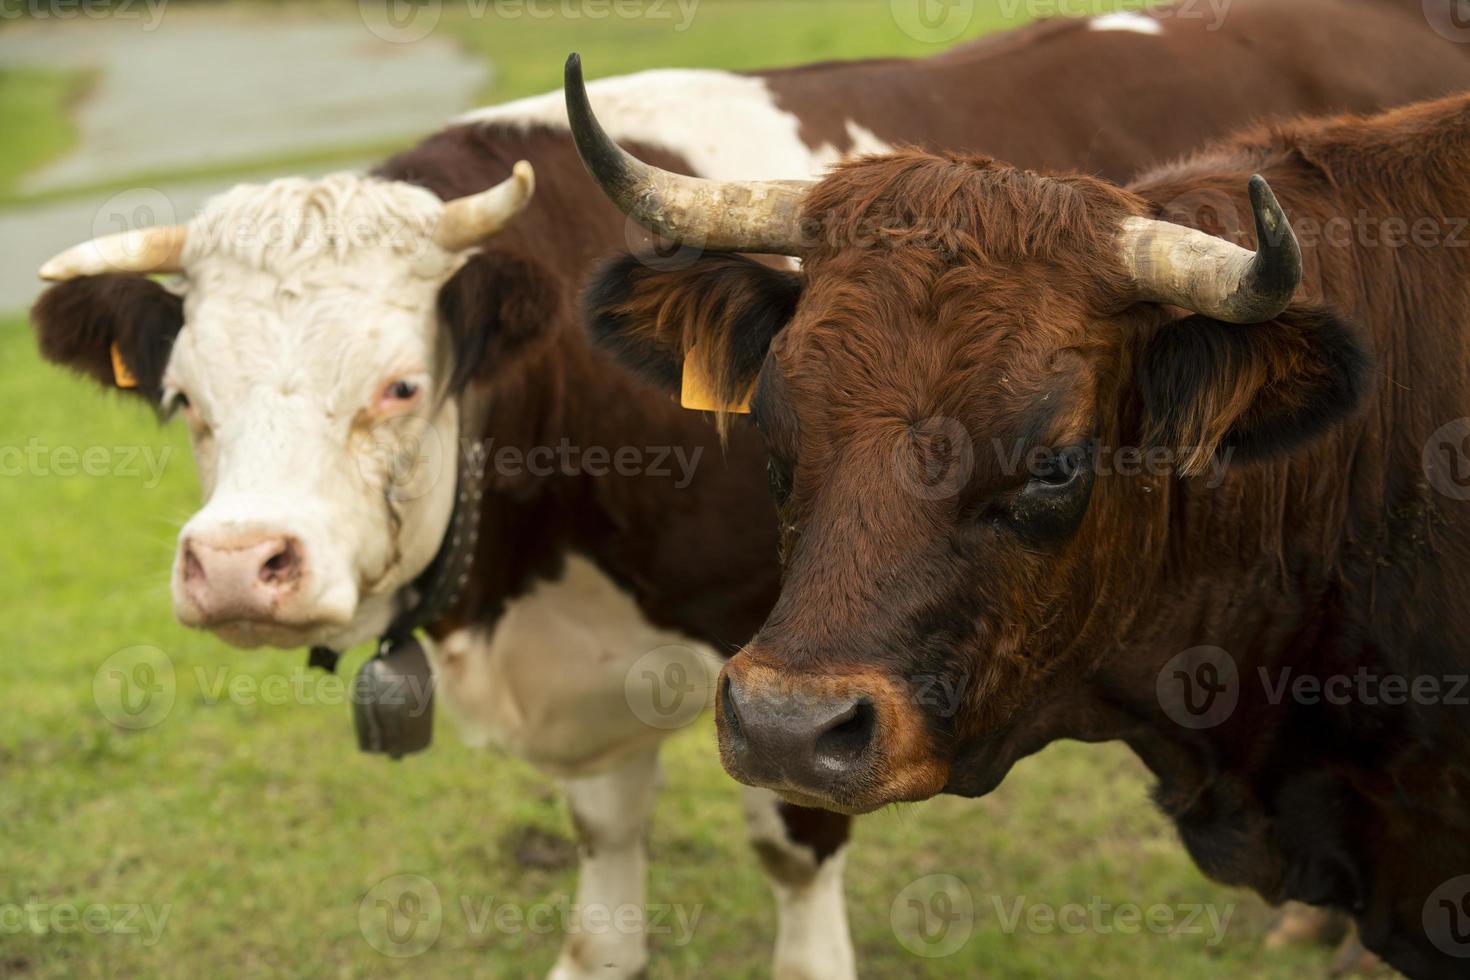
x,y
314,343
944,390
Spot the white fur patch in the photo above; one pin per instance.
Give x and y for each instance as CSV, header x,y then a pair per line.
x,y
611,811
1127,21
550,682
812,937
726,125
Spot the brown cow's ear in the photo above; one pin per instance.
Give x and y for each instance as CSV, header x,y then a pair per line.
x,y
649,315
497,308
78,323
1256,390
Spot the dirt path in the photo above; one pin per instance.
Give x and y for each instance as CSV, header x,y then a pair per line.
x,y
203,90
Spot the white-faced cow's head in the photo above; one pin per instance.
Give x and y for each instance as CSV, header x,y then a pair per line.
x,y
314,343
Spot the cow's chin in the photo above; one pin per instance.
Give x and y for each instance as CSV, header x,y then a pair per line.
x,y
337,632
905,788
909,781
851,808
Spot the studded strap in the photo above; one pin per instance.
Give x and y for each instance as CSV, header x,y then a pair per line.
x,y
443,582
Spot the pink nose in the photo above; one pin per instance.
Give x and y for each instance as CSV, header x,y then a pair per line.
x,y
240,577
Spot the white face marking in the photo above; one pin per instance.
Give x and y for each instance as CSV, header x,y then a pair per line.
x,y
749,138
304,302
1127,21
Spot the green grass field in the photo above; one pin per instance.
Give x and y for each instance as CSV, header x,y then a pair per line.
x,y
250,832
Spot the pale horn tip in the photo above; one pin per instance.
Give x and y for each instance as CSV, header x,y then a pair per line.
x,y
525,176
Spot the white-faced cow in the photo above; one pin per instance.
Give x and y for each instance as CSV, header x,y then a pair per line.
x,y
1091,473
322,334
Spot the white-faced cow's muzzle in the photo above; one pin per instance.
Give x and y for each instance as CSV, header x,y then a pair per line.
x,y
302,541
252,570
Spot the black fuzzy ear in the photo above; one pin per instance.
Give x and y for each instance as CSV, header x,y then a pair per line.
x,y
77,323
649,315
1257,390
496,308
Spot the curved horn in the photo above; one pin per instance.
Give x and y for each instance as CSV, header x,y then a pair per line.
x,y
721,216
1185,267
157,249
470,220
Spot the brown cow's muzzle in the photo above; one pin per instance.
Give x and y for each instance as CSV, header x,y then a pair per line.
x,y
843,741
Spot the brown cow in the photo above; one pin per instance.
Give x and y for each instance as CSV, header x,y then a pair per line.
x,y
1264,597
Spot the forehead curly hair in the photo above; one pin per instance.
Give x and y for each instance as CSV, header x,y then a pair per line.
x,y
949,209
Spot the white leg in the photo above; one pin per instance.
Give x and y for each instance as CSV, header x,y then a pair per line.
x,y
812,939
611,813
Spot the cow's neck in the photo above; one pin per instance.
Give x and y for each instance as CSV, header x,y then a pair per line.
x,y
582,458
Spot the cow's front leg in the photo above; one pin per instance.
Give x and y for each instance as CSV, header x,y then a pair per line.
x,y
802,853
605,933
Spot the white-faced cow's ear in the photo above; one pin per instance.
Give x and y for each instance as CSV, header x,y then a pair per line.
x,y
1254,391
650,315
116,329
497,308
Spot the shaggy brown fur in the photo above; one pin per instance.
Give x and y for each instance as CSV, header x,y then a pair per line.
x,y
958,313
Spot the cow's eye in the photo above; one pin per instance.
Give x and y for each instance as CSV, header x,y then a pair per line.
x,y
401,390
175,402
1060,468
779,475
1050,507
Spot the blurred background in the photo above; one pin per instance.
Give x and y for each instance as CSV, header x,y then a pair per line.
x,y
239,831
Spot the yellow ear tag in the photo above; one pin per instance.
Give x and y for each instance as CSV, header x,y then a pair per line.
x,y
120,373
698,393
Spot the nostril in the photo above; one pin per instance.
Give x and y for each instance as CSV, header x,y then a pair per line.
x,y
283,566
193,570
848,735
727,706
